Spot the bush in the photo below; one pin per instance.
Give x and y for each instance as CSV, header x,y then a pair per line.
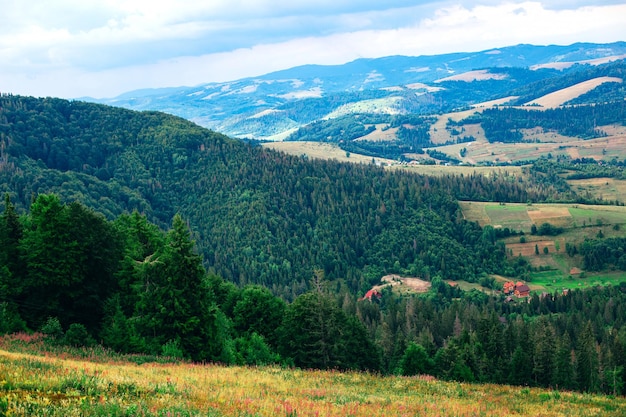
x,y
172,349
53,329
77,335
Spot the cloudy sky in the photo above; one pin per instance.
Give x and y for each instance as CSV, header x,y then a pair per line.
x,y
102,48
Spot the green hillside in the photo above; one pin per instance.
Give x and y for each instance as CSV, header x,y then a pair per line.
x,y
318,234
259,216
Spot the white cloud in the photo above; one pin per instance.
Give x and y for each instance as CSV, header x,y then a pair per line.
x,y
111,46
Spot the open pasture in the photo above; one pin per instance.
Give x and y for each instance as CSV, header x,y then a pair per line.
x,y
54,386
605,188
521,217
319,150
558,280
439,170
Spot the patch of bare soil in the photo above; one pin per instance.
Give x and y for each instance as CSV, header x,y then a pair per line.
x,y
413,284
548,212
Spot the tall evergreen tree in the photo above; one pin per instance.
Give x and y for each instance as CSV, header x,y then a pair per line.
x,y
587,360
563,375
53,262
174,303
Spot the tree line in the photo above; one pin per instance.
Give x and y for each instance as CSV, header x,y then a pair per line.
x,y
503,124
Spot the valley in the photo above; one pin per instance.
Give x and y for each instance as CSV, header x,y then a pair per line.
x,y
353,225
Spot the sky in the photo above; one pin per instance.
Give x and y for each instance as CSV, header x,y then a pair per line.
x,y
103,48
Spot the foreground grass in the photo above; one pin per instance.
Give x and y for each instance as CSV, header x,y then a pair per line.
x,y
50,385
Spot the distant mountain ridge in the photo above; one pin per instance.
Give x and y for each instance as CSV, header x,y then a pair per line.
x,y
272,106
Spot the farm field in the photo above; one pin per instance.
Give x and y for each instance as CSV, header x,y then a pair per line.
x,y
519,216
481,151
556,280
323,151
53,385
331,151
555,270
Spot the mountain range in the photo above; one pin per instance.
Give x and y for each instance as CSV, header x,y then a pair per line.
x,y
274,106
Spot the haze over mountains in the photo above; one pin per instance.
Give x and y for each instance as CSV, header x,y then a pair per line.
x,y
272,106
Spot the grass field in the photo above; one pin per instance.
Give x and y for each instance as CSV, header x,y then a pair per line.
x,y
518,216
557,280
555,268
321,150
53,385
606,188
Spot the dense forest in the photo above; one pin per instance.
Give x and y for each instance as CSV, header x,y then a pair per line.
x,y
258,216
504,124
82,279
148,234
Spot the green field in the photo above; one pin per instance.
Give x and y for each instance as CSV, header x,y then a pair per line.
x,y
519,216
553,271
557,280
598,215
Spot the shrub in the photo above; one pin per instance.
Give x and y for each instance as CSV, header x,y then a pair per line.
x,y
172,349
53,329
77,335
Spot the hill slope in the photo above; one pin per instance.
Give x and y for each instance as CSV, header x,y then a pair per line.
x,y
260,216
273,105
121,388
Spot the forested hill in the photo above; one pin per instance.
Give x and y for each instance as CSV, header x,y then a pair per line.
x,y
258,216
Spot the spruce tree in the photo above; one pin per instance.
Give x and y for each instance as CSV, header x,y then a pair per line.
x,y
174,301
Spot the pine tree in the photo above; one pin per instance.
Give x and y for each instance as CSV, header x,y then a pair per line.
x,y
174,301
563,376
587,360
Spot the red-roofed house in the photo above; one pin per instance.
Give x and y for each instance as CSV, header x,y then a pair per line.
x,y
371,294
522,290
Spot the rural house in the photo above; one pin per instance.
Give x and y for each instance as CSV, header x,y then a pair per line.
x,y
521,290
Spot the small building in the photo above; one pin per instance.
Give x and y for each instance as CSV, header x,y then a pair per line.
x,y
522,290
371,294
508,287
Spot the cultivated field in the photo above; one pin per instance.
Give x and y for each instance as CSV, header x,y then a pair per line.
x,y
52,385
555,269
521,217
320,150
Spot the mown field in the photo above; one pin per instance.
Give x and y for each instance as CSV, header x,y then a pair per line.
x,y
518,216
555,269
46,384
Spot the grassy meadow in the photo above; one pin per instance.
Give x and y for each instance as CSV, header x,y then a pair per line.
x,y
96,383
555,270
610,189
519,216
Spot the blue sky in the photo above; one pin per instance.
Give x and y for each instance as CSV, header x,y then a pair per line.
x,y
102,48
